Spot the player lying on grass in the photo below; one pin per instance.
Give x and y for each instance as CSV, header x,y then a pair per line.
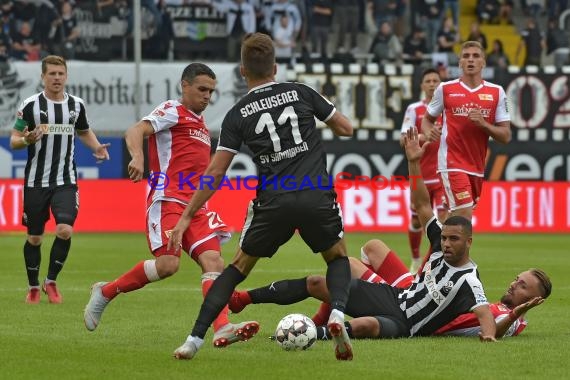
x,y
379,264
447,286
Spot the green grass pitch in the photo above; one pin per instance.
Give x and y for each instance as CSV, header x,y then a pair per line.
x,y
140,330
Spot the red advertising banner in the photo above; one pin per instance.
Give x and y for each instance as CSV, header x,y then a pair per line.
x,y
119,206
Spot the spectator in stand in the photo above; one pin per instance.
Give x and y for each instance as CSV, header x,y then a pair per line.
x,y
284,40
556,7
415,46
430,18
44,24
383,10
476,34
447,37
557,43
346,17
322,12
497,56
5,44
280,7
67,31
533,40
240,21
453,6
506,10
25,47
535,8
488,11
386,46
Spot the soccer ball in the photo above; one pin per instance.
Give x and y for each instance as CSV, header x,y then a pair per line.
x,y
295,332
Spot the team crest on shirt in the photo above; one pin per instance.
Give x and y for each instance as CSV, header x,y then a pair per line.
x,y
168,233
72,117
486,97
447,288
167,105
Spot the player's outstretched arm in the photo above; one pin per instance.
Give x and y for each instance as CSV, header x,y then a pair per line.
x,y
340,125
420,195
504,324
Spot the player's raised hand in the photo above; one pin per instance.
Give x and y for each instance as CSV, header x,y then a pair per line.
x,y
476,117
523,308
33,136
412,145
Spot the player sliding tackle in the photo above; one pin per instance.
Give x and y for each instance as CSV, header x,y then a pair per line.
x,y
447,286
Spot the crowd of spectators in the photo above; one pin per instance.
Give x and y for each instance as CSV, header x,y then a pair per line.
x,y
381,30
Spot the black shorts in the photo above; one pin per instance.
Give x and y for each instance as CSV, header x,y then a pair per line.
x,y
62,200
381,301
271,221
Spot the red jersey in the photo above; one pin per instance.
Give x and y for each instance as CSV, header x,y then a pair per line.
x,y
179,150
428,163
468,324
463,145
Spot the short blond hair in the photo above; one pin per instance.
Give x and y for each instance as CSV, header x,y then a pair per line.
x,y
53,60
475,44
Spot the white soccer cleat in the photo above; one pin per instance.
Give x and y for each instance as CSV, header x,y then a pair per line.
x,y
95,307
187,351
342,345
232,333
415,266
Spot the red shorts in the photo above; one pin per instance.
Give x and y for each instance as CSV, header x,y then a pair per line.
x,y
436,196
461,190
206,232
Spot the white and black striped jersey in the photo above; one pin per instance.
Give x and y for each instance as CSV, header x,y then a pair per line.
x,y
51,160
277,123
441,292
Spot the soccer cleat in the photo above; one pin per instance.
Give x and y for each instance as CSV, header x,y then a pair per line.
x,y
95,307
54,296
342,345
187,351
237,304
235,332
33,296
415,266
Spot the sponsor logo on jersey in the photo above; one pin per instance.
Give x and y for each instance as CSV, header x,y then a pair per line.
x,y
456,95
486,97
462,195
200,135
158,112
431,285
57,129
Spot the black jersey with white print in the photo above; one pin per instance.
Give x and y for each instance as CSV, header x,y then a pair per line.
x,y
51,160
440,292
276,121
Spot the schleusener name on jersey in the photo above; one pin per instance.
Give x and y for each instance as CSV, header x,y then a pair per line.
x,y
269,102
57,129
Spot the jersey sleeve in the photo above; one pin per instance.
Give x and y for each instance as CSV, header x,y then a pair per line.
x,y
479,296
409,119
165,116
502,113
82,122
435,107
516,327
230,139
433,231
323,109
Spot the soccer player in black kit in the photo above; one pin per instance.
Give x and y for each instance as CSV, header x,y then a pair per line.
x,y
276,122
